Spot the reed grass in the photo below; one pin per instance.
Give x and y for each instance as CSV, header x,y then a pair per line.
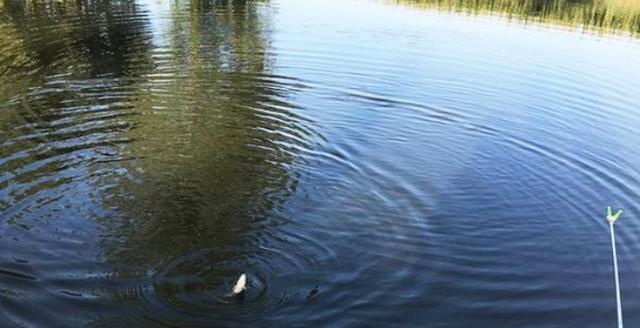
x,y
609,16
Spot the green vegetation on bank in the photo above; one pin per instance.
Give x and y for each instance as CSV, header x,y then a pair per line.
x,y
592,15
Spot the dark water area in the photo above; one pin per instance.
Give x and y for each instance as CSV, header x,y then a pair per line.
x,y
366,163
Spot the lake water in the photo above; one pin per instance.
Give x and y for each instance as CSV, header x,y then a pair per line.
x,y
366,163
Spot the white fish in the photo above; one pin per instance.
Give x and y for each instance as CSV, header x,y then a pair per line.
x,y
241,285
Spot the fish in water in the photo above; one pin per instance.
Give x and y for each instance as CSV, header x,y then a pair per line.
x,y
313,292
241,285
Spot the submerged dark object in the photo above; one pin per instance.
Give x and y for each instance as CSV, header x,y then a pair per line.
x,y
313,292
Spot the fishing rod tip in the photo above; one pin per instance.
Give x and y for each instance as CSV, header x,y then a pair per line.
x,y
613,217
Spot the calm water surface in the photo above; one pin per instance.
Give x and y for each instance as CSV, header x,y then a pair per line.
x,y
415,166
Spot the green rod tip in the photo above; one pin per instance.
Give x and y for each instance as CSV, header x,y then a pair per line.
x,y
613,217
